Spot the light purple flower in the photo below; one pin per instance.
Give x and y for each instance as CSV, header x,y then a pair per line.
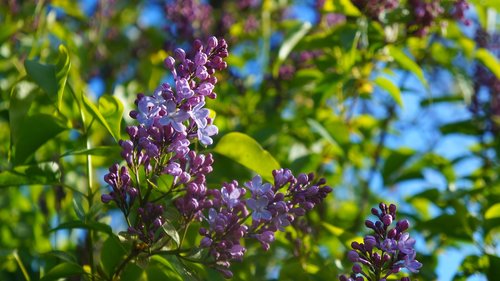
x,y
174,117
411,263
281,222
259,208
257,188
199,115
204,134
230,198
148,109
183,89
405,244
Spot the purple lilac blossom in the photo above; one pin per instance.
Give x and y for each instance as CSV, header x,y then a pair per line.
x,y
169,121
385,251
271,206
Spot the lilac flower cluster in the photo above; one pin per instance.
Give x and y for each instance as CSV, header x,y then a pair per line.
x,y
424,15
267,209
376,9
189,19
384,252
170,120
458,13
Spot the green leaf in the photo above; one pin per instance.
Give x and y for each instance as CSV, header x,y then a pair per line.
x,y
466,127
493,212
407,63
41,173
132,272
97,115
489,60
21,99
62,270
44,75
111,254
62,255
171,231
111,109
289,44
35,131
62,70
8,29
246,151
162,270
107,151
97,226
344,7
318,128
51,78
392,89
394,164
494,268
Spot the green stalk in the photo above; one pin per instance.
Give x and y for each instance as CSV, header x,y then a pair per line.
x,y
90,191
21,266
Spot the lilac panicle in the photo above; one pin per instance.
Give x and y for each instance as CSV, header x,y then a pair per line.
x,y
169,121
264,210
385,251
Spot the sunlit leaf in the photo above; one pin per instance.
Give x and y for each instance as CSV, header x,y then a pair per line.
x,y
111,109
171,231
407,63
392,89
246,151
97,115
289,44
489,60
493,212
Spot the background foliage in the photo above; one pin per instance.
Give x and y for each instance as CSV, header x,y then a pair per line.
x,y
386,104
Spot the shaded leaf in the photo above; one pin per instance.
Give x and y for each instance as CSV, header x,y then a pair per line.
x,y
97,226
51,78
36,130
246,151
111,254
394,164
63,270
42,173
97,151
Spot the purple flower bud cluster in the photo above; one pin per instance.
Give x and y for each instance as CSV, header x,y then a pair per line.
x,y
384,252
376,9
170,120
266,209
189,19
486,101
424,15
458,13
